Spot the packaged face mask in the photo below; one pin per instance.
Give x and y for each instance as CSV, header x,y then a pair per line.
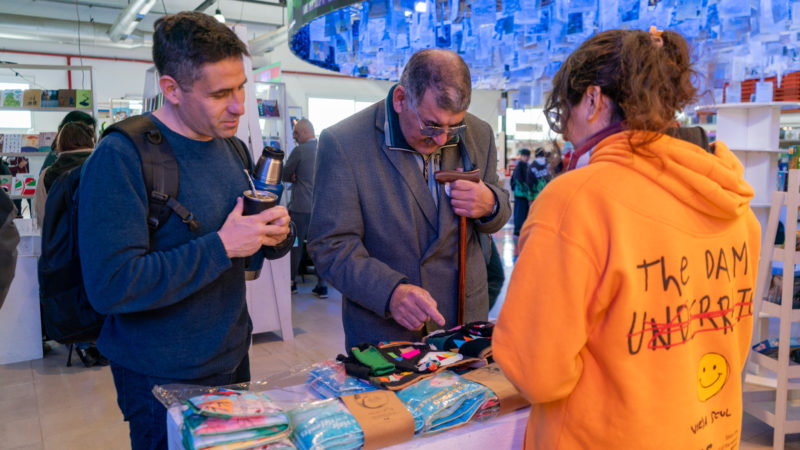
x,y
325,424
227,403
442,401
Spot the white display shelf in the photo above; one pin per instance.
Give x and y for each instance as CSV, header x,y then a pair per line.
x,y
46,109
748,105
775,402
752,131
772,150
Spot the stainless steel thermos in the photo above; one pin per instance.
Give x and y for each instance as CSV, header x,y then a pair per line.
x,y
269,170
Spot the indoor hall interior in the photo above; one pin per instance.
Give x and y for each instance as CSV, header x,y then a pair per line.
x,y
45,405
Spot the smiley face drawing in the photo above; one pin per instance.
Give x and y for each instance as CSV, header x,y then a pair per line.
x,y
711,375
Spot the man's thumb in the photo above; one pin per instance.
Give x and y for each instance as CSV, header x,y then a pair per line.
x,y
238,207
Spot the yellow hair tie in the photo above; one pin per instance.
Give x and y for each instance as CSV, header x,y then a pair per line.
x,y
655,35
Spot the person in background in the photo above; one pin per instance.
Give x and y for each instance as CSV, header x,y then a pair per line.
x,y
539,174
75,142
72,116
299,170
611,308
383,231
520,187
175,298
9,239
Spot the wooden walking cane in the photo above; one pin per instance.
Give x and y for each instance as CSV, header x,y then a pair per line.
x,y
448,176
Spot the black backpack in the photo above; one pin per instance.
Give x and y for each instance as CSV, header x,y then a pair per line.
x,y
67,315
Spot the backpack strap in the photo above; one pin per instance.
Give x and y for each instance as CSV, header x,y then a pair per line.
x,y
159,168
242,152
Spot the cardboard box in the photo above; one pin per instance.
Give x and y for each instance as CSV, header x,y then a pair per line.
x,y
32,98
66,98
83,98
49,98
5,182
12,98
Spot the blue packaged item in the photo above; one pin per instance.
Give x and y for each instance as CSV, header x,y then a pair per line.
x,y
442,401
325,424
329,380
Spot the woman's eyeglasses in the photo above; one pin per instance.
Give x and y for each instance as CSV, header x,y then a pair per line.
x,y
553,117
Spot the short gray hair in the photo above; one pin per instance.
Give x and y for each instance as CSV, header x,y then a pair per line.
x,y
444,72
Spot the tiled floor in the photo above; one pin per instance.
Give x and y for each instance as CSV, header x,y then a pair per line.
x,y
45,405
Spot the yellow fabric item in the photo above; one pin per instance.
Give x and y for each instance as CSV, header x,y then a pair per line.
x,y
629,312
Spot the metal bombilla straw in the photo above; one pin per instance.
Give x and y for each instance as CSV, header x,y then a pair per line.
x,y
250,179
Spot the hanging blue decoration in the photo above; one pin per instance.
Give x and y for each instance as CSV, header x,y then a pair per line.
x,y
513,43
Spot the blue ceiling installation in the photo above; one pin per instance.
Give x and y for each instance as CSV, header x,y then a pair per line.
x,y
513,44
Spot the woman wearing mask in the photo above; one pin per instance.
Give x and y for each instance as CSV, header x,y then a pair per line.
x,y
629,312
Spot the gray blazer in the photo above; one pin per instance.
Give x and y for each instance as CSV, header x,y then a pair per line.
x,y
374,224
301,163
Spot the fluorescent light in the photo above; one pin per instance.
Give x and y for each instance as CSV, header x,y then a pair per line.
x,y
421,7
218,15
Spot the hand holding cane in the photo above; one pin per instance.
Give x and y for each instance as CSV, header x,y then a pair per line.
x,y
449,176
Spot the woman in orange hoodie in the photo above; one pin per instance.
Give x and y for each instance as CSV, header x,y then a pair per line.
x,y
629,312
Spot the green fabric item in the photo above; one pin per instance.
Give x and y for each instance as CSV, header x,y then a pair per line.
x,y
373,359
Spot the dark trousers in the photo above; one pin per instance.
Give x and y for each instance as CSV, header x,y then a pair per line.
x,y
521,206
495,274
301,222
146,416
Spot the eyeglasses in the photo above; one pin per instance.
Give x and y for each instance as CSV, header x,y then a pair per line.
x,y
553,117
432,130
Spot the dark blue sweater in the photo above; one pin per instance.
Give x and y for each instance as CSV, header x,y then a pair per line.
x,y
175,303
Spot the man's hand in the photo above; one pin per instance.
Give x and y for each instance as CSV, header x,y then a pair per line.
x,y
473,200
411,306
243,235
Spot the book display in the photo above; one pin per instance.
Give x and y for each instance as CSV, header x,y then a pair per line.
x,y
25,150
273,116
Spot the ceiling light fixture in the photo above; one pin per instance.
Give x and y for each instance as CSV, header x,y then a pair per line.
x,y
218,15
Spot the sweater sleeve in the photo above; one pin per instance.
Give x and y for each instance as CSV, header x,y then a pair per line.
x,y
336,233
548,293
121,273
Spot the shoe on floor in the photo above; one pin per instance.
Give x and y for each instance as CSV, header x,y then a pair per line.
x,y
320,291
88,355
294,287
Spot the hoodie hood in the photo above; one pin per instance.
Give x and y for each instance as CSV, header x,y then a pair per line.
x,y
712,184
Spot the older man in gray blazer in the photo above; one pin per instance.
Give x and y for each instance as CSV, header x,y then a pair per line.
x,y
383,232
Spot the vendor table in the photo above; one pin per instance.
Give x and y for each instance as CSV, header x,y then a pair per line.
x,y
500,433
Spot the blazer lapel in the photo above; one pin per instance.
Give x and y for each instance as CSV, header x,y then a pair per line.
x,y
405,162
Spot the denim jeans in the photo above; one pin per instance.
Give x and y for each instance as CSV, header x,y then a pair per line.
x,y
146,416
521,205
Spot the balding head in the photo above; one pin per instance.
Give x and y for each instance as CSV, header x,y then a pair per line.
x,y
303,131
442,71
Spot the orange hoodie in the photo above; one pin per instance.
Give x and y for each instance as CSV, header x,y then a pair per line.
x,y
629,312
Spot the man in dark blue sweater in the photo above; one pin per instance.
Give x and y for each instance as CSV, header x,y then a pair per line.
x,y
176,299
